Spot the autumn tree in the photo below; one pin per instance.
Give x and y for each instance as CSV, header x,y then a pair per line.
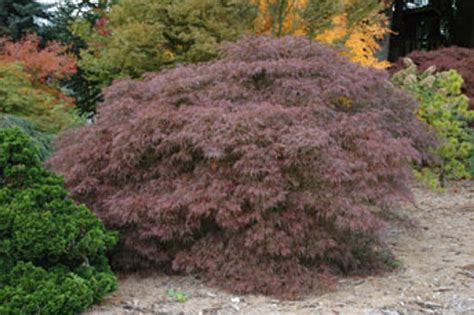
x,y
138,36
30,77
66,13
87,93
45,65
356,24
134,37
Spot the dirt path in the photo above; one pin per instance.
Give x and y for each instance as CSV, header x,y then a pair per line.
x,y
437,276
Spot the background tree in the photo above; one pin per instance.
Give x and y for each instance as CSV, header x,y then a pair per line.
x,y
66,13
427,25
46,65
18,17
87,93
356,24
30,77
139,35
129,38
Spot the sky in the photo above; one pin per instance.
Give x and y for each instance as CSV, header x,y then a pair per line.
x,y
47,1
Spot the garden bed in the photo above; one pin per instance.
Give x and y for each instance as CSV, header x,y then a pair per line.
x,y
436,274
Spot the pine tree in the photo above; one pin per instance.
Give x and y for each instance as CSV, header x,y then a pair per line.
x,y
67,13
18,17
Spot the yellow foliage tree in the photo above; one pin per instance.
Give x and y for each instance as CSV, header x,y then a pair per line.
x,y
358,25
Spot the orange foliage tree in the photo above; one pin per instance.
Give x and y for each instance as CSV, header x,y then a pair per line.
x,y
358,25
30,76
45,65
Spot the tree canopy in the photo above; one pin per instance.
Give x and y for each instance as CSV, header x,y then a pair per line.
x,y
356,24
137,36
18,17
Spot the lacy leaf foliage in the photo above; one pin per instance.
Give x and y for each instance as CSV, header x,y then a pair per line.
x,y
260,171
52,251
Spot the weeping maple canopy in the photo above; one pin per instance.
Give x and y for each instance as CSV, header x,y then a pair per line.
x,y
264,171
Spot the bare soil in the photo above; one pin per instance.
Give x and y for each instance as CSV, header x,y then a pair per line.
x,y
436,274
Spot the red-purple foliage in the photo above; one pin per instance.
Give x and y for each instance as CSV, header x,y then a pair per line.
x,y
260,171
458,58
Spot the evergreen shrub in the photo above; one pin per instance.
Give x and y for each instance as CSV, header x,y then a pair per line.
x,y
444,107
52,251
265,171
444,59
41,140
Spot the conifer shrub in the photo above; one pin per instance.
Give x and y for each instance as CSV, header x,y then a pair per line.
x,y
52,251
265,171
444,107
444,59
41,140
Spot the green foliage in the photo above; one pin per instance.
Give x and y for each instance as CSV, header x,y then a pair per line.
x,y
177,295
17,17
361,11
317,16
66,14
471,154
52,251
19,97
39,139
34,290
139,36
445,108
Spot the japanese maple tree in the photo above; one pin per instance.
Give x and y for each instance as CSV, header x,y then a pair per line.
x,y
265,171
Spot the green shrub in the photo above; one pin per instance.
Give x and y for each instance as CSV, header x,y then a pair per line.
x,y
471,154
52,251
41,140
445,108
